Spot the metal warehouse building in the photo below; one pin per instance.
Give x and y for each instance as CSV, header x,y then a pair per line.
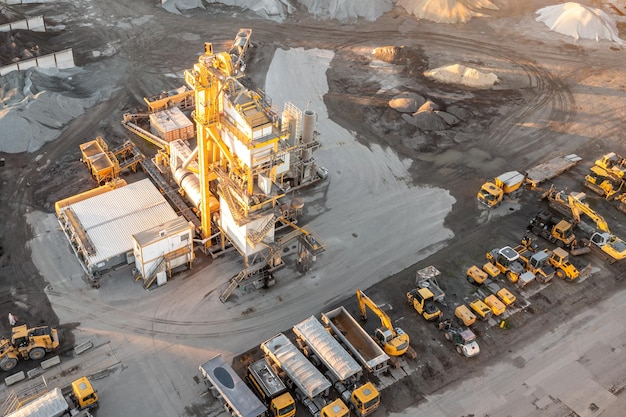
x,y
100,228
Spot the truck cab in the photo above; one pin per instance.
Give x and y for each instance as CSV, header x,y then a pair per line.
x,y
271,389
335,409
83,394
364,400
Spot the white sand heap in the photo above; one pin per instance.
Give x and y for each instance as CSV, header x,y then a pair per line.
x,y
460,74
446,11
578,21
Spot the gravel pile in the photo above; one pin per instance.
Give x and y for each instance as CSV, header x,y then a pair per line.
x,y
426,116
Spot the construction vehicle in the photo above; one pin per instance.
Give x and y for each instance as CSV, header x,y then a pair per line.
x,y
465,315
309,385
613,163
507,260
559,232
510,183
564,268
538,264
393,340
475,275
610,245
354,338
506,297
481,309
341,369
603,182
271,389
422,300
492,192
494,303
603,242
491,270
76,399
463,339
27,343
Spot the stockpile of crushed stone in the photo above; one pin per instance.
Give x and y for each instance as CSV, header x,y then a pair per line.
x,y
36,104
578,21
460,74
422,113
446,11
280,9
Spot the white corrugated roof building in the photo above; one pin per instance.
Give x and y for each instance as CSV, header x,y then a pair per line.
x,y
112,218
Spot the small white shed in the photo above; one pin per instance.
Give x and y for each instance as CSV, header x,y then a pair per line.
x,y
162,248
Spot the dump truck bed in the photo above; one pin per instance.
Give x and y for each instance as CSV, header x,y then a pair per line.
x,y
550,169
362,346
336,359
297,367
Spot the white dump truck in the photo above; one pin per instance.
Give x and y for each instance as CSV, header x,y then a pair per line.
x,y
310,386
77,399
228,388
369,354
341,368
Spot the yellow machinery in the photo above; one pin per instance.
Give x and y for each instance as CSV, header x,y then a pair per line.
x,y
422,300
613,163
106,164
603,182
564,268
394,340
27,343
492,192
271,389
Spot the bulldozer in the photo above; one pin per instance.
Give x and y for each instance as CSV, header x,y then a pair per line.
x,y
27,343
603,182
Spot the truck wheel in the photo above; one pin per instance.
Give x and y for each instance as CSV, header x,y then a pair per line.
x,y
458,349
560,273
448,337
560,243
6,364
37,353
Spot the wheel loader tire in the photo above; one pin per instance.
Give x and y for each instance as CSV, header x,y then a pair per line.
x,y
37,353
448,337
559,244
560,273
6,364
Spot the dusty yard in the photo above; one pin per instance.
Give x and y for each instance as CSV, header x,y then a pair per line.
x,y
555,96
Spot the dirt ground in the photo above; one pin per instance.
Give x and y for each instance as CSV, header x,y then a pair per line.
x,y
556,96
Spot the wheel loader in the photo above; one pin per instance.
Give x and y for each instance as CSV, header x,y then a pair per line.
x,y
27,343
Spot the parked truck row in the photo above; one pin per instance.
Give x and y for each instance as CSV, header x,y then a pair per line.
x,y
323,370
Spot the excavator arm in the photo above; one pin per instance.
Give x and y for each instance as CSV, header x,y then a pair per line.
x,y
365,302
577,207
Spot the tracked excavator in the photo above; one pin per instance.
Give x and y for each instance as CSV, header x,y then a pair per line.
x,y
611,247
393,340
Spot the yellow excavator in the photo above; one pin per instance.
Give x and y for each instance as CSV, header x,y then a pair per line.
x,y
612,247
394,341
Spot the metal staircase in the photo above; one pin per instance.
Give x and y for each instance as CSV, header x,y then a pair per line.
x,y
263,267
163,261
256,236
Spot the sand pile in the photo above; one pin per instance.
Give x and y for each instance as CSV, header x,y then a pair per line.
x,y
279,9
460,74
446,11
578,21
36,104
424,114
